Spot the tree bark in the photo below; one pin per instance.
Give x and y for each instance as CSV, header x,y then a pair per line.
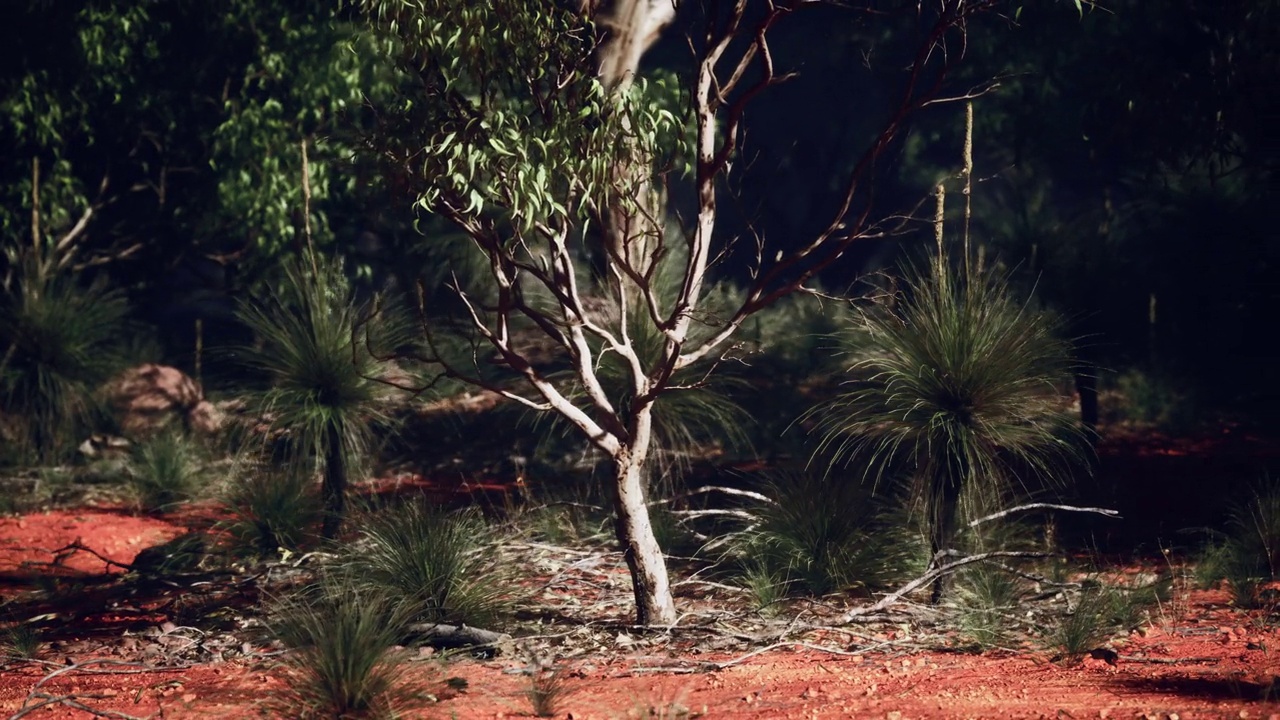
x,y
631,27
654,603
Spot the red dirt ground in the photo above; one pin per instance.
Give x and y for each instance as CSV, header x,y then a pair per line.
x,y
1199,658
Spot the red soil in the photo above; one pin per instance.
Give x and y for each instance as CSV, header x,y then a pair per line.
x,y
1199,658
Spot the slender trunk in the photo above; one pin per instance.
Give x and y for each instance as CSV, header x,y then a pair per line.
x,y
334,489
654,603
943,533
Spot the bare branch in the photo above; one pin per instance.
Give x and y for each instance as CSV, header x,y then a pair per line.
x,y
930,576
1043,506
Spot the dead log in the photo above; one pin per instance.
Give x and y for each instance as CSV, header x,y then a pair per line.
x,y
445,636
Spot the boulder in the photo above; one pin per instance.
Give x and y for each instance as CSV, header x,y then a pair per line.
x,y
148,398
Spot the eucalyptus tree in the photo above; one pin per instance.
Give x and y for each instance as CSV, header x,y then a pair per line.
x,y
519,131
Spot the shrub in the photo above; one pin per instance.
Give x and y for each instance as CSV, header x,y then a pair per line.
x,y
951,387
1248,555
59,340
987,599
165,470
824,535
271,511
317,348
22,641
342,663
548,688
443,566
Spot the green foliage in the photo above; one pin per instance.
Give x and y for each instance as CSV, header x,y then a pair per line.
x,y
534,136
1152,399
165,470
319,349
443,567
1102,610
179,124
766,585
821,535
951,387
343,663
1083,628
61,339
271,511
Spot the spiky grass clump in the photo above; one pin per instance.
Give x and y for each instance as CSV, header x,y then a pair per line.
x,y
165,470
767,586
1084,628
988,599
443,566
952,388
825,535
1248,556
1100,612
22,641
343,663
271,511
59,340
318,350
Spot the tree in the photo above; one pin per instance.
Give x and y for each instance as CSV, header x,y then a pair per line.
x,y
325,401
155,135
514,133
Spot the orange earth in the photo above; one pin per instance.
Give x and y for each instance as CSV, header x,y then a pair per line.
x,y
1197,659
116,654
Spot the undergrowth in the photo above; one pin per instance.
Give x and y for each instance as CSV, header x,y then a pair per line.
x,y
165,470
343,661
444,566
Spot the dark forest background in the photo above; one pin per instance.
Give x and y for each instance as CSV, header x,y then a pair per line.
x,y
1127,160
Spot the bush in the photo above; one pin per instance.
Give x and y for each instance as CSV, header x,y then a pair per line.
x,y
342,635
950,389
317,349
165,470
22,641
59,340
823,535
1248,555
444,567
1150,398
271,511
987,599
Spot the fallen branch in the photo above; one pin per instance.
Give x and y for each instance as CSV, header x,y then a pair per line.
x,y
932,575
1044,506
73,699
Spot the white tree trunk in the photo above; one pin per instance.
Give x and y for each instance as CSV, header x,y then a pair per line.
x,y
654,603
631,27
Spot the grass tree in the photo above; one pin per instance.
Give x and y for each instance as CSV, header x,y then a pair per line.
x,y
951,386
526,125
324,402
60,339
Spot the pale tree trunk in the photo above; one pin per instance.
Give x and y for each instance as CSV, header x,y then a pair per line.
x,y
631,27
630,234
648,566
654,603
